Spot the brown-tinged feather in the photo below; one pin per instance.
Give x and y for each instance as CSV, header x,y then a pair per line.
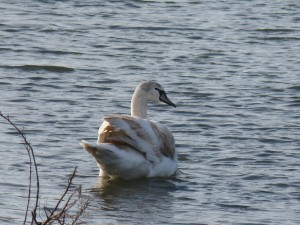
x,y
111,132
166,146
118,137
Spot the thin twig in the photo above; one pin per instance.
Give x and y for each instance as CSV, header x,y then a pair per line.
x,y
30,154
46,211
52,213
80,212
66,191
59,216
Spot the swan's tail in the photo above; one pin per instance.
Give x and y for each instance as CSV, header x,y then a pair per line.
x,y
104,157
90,148
115,162
87,147
102,153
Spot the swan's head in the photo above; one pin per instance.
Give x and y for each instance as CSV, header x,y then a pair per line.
x,y
154,92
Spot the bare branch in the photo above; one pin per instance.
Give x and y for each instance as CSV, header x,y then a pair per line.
x,y
59,216
31,156
62,216
64,194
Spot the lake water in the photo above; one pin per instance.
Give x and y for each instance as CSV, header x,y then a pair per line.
x,y
232,68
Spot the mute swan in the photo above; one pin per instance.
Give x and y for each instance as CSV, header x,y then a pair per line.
x,y
131,147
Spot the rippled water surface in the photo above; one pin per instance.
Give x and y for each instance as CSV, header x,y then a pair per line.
x,y
232,67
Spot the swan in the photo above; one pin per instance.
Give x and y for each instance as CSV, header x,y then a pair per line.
x,y
130,147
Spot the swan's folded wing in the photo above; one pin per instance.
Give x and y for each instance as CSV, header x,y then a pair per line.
x,y
126,130
148,138
166,143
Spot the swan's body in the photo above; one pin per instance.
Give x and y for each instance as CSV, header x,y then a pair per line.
x,y
133,146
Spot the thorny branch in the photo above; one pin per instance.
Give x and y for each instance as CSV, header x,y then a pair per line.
x,y
61,216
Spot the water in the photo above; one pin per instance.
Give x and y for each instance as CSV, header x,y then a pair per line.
x,y
232,67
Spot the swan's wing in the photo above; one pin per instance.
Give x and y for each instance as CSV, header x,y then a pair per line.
x,y
166,145
149,138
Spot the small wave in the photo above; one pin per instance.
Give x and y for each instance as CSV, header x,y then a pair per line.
x,y
57,52
296,87
4,83
279,38
276,30
235,206
132,67
59,69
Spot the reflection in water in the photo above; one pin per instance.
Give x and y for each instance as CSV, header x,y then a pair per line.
x,y
136,200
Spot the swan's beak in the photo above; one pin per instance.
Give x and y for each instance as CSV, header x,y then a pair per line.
x,y
163,97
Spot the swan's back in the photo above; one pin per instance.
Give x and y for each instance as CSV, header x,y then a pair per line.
x,y
148,138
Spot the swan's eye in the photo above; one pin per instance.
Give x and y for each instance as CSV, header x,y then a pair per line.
x,y
160,91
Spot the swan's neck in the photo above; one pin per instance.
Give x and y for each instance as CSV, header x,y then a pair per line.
x,y
139,105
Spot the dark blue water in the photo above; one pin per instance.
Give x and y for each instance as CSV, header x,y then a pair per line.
x,y
232,67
